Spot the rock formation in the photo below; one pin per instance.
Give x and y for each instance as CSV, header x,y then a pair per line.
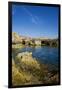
x,y
26,70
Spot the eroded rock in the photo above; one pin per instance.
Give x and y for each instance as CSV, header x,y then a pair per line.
x,y
27,60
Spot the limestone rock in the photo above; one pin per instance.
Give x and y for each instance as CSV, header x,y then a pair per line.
x,y
27,60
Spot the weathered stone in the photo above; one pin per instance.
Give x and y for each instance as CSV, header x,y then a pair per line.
x,y
27,61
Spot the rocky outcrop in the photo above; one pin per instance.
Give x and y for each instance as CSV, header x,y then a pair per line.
x,y
17,39
26,70
27,61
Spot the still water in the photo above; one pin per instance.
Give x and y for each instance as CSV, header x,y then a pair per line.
x,y
46,55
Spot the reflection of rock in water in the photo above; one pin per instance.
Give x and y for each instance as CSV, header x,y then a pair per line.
x,y
27,70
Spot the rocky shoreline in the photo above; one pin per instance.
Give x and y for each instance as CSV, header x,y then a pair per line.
x,y
19,40
26,70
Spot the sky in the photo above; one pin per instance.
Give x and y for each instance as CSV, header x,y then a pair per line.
x,y
35,21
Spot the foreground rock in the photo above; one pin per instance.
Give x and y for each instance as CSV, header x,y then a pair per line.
x,y
26,60
27,70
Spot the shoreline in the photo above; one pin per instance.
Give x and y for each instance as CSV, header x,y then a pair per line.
x,y
22,46
26,69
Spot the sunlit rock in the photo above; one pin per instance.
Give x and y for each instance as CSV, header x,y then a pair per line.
x,y
27,60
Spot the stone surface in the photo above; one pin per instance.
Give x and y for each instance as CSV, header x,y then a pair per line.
x,y
27,70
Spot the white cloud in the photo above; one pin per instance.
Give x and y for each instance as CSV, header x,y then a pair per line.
x,y
27,11
34,19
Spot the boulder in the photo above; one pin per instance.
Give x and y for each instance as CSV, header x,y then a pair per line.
x,y
26,60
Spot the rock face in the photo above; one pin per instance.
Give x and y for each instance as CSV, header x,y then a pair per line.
x,y
17,39
38,42
26,59
26,70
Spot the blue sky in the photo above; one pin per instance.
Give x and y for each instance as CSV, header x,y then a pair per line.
x,y
35,21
